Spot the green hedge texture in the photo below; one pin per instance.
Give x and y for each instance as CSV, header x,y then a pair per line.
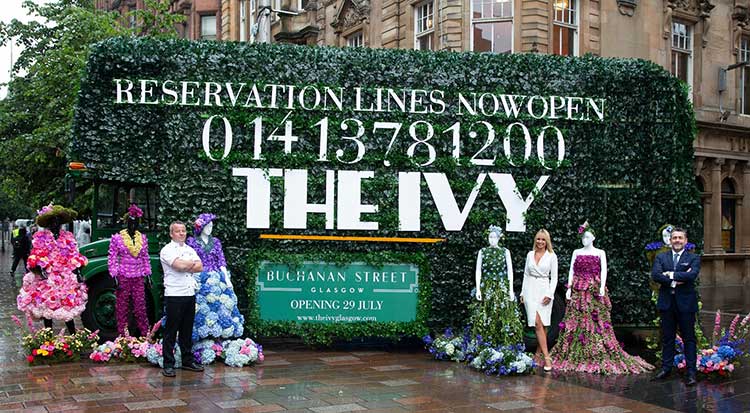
x,y
627,175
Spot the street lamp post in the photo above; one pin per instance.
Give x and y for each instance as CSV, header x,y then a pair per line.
x,y
264,20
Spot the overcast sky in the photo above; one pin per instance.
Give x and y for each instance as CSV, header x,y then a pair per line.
x,y
11,9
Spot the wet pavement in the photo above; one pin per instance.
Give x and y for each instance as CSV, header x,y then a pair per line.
x,y
294,380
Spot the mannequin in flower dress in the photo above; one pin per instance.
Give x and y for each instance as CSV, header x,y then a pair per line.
x,y
129,265
495,314
217,314
51,289
587,340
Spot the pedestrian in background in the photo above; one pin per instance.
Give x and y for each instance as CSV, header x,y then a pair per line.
x,y
21,250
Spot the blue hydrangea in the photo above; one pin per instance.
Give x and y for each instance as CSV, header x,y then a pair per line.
x,y
726,352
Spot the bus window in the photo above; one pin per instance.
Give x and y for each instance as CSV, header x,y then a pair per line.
x,y
145,197
105,216
113,201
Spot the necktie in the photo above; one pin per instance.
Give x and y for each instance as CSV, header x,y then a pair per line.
x,y
675,258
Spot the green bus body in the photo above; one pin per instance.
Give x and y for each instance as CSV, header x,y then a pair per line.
x,y
100,311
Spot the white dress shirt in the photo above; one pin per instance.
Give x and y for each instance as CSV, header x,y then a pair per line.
x,y
177,283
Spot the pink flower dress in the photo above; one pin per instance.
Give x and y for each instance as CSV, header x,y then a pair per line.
x,y
60,296
587,341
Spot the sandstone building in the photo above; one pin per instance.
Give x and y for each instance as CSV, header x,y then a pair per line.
x,y
693,39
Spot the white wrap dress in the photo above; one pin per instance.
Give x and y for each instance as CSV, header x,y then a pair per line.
x,y
539,281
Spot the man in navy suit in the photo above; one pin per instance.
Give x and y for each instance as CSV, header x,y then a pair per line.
x,y
676,272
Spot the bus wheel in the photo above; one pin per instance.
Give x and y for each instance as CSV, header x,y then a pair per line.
x,y
100,309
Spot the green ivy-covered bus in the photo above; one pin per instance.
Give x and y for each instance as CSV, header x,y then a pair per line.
x,y
366,179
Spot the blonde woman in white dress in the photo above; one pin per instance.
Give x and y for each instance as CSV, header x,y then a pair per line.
x,y
538,291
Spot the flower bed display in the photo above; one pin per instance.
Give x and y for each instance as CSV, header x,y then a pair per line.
x,y
728,347
43,346
480,355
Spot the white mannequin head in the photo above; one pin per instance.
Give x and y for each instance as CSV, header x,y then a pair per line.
x,y
587,239
207,229
494,236
493,239
666,234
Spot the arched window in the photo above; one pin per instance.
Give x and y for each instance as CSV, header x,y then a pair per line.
x,y
728,214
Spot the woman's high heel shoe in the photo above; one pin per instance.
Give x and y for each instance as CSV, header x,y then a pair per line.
x,y
546,367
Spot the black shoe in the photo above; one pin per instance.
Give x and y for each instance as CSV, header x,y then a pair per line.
x,y
691,381
662,375
192,367
168,372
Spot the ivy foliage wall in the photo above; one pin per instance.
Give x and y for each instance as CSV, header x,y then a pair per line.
x,y
626,175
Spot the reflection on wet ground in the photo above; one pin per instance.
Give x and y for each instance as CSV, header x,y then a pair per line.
x,y
729,298
293,380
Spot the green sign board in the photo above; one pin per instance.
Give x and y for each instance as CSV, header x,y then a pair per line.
x,y
321,292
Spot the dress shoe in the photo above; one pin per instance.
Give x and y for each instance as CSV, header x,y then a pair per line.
x,y
691,381
192,367
168,372
662,375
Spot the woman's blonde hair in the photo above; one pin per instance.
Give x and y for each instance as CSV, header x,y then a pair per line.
x,y
543,232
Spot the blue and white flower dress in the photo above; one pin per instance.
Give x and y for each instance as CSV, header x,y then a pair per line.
x,y
216,312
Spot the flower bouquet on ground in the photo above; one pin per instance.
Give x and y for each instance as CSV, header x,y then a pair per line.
x,y
125,348
235,353
723,356
449,346
241,352
43,346
503,360
480,355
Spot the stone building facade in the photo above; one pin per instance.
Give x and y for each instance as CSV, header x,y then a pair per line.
x,y
203,18
693,39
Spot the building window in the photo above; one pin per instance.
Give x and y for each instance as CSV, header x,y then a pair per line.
x,y
728,217
492,26
682,52
243,21
565,28
356,39
247,20
208,27
745,76
423,26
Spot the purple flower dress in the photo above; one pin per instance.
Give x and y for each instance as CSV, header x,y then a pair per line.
x,y
216,312
587,342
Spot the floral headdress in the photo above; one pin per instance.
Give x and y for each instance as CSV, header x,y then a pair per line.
x,y
202,221
584,228
133,213
47,213
494,229
657,245
668,227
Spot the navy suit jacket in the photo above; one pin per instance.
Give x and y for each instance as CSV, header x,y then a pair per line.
x,y
686,272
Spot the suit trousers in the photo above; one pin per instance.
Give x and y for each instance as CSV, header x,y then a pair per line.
x,y
180,317
670,320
